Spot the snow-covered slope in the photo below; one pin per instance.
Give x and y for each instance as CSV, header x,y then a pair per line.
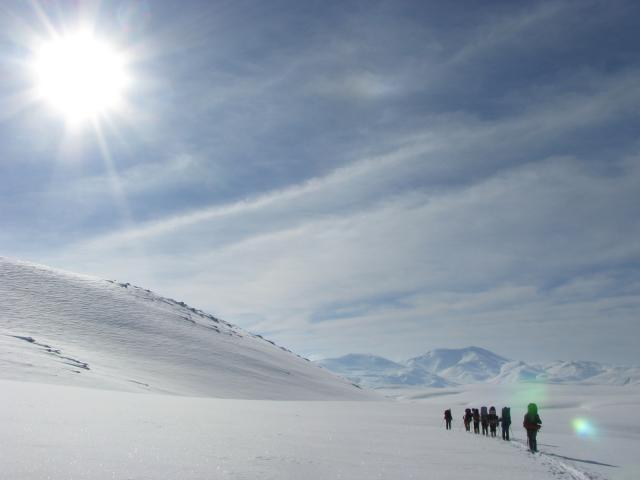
x,y
374,371
412,376
590,372
462,365
58,327
517,371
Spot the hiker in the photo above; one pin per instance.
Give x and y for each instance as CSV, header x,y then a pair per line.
x,y
532,424
447,418
505,422
493,421
468,418
476,421
484,420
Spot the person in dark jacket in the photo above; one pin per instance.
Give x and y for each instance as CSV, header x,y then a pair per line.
x,y
468,418
493,421
505,422
484,420
447,418
476,421
532,424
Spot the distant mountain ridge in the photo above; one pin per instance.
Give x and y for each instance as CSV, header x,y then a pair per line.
x,y
464,365
446,367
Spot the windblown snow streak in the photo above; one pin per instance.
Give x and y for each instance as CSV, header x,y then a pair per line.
x,y
58,327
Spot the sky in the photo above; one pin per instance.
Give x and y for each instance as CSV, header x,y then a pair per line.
x,y
371,176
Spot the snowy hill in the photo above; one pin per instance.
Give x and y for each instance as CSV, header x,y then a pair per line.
x,y
59,327
517,371
471,365
463,365
374,371
590,372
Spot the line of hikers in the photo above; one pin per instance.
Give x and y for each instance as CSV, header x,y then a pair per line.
x,y
489,421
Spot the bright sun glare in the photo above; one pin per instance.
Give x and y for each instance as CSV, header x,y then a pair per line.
x,y
80,76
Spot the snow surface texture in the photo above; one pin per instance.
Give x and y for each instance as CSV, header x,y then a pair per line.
x,y
450,367
58,432
58,327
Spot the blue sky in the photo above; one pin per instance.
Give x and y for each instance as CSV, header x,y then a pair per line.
x,y
383,177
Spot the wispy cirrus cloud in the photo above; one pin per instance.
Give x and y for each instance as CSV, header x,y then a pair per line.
x,y
455,151
389,177
523,229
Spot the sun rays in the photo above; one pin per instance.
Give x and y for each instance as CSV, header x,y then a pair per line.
x,y
81,76
77,89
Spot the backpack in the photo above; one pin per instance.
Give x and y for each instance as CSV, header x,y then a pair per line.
x,y
506,414
447,413
492,410
532,409
483,412
531,422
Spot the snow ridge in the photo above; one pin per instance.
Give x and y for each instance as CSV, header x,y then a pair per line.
x,y
60,327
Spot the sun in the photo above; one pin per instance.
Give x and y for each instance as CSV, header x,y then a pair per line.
x,y
80,76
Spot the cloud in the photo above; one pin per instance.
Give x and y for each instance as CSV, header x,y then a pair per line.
x,y
453,152
178,171
508,30
368,179
500,246
355,85
417,233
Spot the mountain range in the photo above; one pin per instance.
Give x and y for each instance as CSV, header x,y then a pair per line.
x,y
445,367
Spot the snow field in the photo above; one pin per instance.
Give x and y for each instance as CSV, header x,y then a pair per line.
x,y
59,432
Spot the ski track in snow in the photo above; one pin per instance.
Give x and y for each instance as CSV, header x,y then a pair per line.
x,y
607,451
557,467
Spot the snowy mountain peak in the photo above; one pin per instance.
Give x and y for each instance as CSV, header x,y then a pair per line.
x,y
463,365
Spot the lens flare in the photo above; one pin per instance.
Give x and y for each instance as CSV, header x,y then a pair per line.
x,y
583,427
524,393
